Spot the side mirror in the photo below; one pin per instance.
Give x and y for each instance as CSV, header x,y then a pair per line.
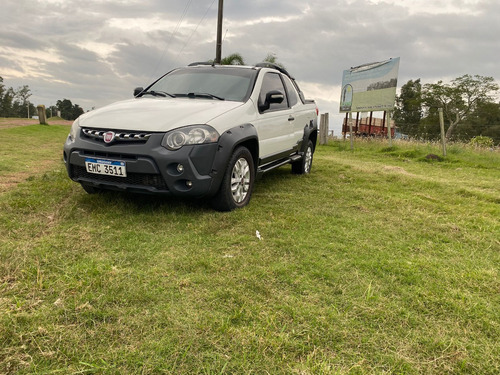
x,y
138,90
273,96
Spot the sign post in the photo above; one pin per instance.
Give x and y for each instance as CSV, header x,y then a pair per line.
x,y
350,131
389,132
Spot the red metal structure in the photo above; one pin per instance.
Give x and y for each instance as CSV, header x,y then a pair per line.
x,y
368,126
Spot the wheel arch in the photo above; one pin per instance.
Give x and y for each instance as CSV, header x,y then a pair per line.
x,y
241,135
310,133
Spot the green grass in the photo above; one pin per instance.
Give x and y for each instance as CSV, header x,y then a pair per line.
x,y
26,150
378,262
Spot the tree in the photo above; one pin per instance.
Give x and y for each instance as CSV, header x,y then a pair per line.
x,y
65,107
460,98
237,59
408,111
15,103
22,103
51,111
6,103
428,128
484,121
76,111
2,87
271,58
2,92
233,59
68,110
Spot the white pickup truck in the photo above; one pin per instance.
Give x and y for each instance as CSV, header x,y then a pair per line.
x,y
205,131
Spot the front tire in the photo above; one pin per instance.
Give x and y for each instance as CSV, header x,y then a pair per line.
x,y
304,165
91,189
237,184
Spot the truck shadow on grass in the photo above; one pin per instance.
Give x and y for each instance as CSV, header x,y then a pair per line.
x,y
137,203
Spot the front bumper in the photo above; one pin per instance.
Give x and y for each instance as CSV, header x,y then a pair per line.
x,y
150,167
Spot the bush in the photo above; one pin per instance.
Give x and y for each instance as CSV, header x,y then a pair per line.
x,y
481,141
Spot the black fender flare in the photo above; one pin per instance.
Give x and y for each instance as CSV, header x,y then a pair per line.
x,y
310,133
245,135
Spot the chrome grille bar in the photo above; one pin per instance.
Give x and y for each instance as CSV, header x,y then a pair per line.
x,y
119,136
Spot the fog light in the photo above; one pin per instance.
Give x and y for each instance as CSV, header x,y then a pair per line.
x,y
180,168
189,183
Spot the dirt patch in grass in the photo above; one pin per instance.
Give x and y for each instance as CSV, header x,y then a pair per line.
x,y
10,180
395,169
13,122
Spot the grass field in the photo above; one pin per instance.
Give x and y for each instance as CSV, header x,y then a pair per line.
x,y
378,262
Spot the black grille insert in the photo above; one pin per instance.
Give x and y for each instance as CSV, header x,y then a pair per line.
x,y
134,179
107,155
116,136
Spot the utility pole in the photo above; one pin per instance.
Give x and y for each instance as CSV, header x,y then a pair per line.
x,y
218,49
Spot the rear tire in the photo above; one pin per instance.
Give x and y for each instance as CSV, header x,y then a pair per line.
x,y
304,165
237,184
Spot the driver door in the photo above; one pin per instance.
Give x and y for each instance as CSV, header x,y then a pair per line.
x,y
275,119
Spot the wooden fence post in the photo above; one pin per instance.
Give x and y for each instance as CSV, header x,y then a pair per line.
x,y
327,126
321,125
441,125
42,118
323,129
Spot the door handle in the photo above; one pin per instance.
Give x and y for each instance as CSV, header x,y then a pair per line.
x,y
291,118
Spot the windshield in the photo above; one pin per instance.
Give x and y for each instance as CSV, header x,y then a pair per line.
x,y
207,83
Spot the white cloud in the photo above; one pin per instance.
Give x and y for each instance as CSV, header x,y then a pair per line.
x,y
275,19
436,7
145,25
31,63
104,50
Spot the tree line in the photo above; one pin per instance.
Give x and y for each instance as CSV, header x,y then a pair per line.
x,y
469,103
15,103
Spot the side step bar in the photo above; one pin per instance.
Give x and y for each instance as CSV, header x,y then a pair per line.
x,y
278,163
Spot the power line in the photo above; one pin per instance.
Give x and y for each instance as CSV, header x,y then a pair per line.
x,y
188,4
199,23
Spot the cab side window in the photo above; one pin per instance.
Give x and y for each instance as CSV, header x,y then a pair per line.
x,y
292,93
272,83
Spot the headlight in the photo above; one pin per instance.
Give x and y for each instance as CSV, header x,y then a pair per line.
x,y
75,128
189,135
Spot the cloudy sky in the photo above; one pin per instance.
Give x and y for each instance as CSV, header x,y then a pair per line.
x,y
94,52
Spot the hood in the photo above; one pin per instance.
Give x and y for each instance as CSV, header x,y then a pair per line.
x,y
156,114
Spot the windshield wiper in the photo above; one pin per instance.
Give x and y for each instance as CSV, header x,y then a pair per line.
x,y
203,95
158,93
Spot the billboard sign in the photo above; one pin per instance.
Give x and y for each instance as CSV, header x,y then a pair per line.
x,y
370,87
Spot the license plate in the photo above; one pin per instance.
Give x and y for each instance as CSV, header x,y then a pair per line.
x,y
106,167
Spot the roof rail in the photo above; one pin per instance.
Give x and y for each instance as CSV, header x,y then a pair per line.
x,y
201,63
279,68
